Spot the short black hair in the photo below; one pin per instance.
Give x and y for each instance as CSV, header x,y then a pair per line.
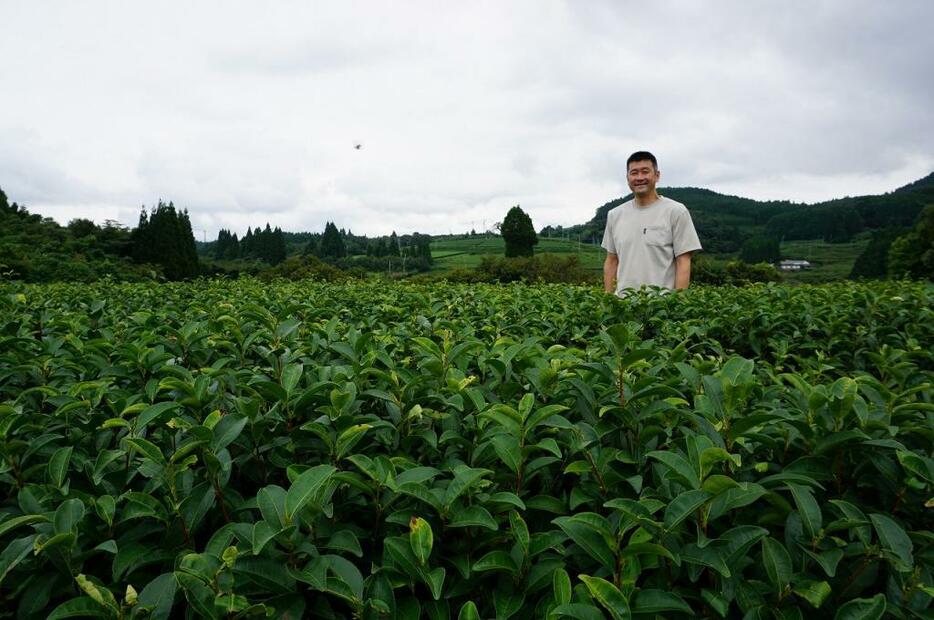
x,y
642,156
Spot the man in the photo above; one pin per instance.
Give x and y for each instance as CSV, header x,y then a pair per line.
x,y
649,240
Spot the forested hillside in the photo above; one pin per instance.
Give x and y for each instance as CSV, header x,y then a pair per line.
x,y
38,249
260,249
725,222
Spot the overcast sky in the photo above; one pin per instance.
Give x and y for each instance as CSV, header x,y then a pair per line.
x,y
248,112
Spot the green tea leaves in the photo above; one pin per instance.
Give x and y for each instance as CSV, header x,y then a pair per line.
x,y
807,508
244,449
304,488
58,465
421,539
496,560
862,609
588,537
894,541
679,467
147,449
609,596
683,506
777,563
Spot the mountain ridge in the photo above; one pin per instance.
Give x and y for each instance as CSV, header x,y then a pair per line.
x,y
725,221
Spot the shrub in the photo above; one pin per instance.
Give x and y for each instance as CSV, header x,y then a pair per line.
x,y
236,449
518,233
706,270
305,267
542,268
460,275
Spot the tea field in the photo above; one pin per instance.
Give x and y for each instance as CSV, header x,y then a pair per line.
x,y
239,449
467,252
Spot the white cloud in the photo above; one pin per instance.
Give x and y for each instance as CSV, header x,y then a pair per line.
x,y
247,115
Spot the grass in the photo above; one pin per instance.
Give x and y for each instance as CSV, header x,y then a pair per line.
x,y
830,261
465,252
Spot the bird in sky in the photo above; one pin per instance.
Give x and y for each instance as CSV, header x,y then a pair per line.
x,y
358,146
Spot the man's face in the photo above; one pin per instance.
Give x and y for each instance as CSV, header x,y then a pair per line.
x,y
642,177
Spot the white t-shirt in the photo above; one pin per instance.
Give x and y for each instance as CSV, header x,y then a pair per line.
x,y
647,240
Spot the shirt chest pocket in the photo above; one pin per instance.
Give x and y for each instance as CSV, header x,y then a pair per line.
x,y
658,236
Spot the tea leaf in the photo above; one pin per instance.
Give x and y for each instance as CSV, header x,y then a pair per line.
x,y
10,524
14,553
807,508
468,612
496,560
679,467
507,602
656,601
421,539
464,478
153,413
140,505
895,540
520,530
609,596
304,488
227,430
777,563
711,456
99,594
261,535
474,516
589,539
199,596
862,609
814,592
271,503
828,560
349,438
507,449
683,506
58,465
561,584
578,611
81,607
67,516
147,449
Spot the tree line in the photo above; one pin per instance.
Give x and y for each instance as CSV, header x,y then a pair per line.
x,y
33,248
38,249
725,223
163,237
900,252
334,244
266,244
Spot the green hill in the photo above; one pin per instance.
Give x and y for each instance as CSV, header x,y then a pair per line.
x,y
38,249
465,251
724,222
832,234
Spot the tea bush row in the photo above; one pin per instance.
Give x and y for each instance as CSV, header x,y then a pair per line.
x,y
234,449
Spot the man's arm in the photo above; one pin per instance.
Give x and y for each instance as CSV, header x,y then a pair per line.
x,y
610,266
682,271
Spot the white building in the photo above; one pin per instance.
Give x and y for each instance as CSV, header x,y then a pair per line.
x,y
794,265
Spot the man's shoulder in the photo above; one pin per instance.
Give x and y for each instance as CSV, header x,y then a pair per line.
x,y
619,209
673,205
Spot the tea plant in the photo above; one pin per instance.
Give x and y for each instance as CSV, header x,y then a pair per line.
x,y
236,449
